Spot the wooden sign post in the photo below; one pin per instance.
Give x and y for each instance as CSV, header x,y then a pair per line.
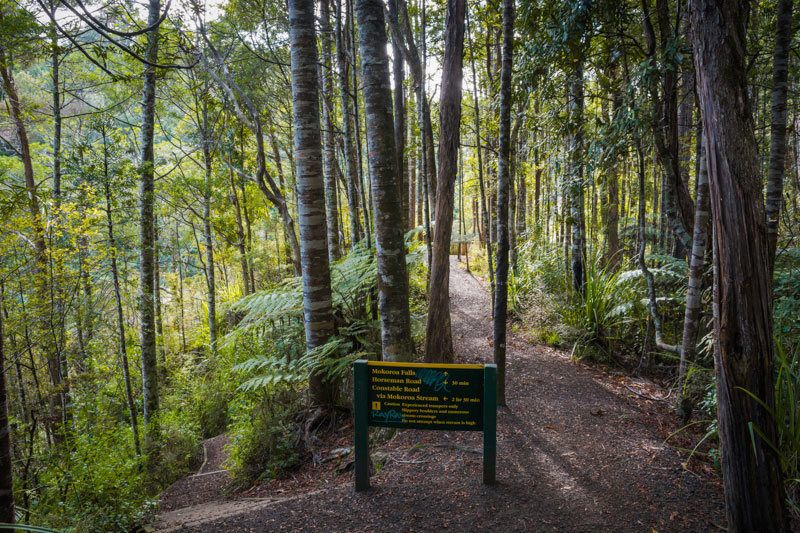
x,y
424,396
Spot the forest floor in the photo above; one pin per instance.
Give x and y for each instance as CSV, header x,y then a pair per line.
x,y
577,451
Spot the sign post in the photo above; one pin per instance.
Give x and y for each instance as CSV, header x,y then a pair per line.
x,y
424,396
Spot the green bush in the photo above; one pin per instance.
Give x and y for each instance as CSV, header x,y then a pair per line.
x,y
265,437
106,483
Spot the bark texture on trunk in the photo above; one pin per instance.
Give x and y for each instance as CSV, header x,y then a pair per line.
x,y
697,261
385,186
407,46
6,460
317,299
504,184
351,167
208,237
123,350
575,161
742,286
398,76
679,207
329,167
439,342
777,142
147,318
485,233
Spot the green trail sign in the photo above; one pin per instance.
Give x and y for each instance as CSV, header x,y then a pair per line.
x,y
424,396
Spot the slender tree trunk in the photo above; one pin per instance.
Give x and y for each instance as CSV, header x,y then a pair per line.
x,y
754,493
180,287
611,203
347,123
439,342
697,260
208,236
412,170
398,77
513,203
486,223
147,246
241,243
329,166
504,177
123,350
56,113
6,459
383,170
575,155
317,299
401,26
368,226
678,202
777,143
161,348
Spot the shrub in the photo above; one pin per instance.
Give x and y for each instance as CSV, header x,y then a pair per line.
x,y
265,437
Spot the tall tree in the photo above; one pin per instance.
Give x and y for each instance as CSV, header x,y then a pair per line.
x,y
697,260
7,514
777,143
329,166
112,244
504,178
439,342
351,172
317,299
398,77
742,285
401,27
575,165
385,186
208,236
147,328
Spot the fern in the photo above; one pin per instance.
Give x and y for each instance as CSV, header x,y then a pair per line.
x,y
354,281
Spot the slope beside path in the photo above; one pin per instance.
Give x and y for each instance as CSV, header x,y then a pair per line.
x,y
576,452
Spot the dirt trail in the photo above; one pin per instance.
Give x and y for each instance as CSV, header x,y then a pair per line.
x,y
576,452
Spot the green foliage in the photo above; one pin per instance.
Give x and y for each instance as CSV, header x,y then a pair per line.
x,y
265,437
284,359
786,293
97,500
599,310
786,415
536,290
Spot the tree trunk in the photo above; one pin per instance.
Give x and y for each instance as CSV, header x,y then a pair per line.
x,y
401,26
241,243
147,246
317,299
611,202
678,202
123,351
486,223
383,170
439,342
208,237
398,76
694,292
754,493
575,161
504,184
329,167
6,459
347,122
513,202
412,171
777,143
